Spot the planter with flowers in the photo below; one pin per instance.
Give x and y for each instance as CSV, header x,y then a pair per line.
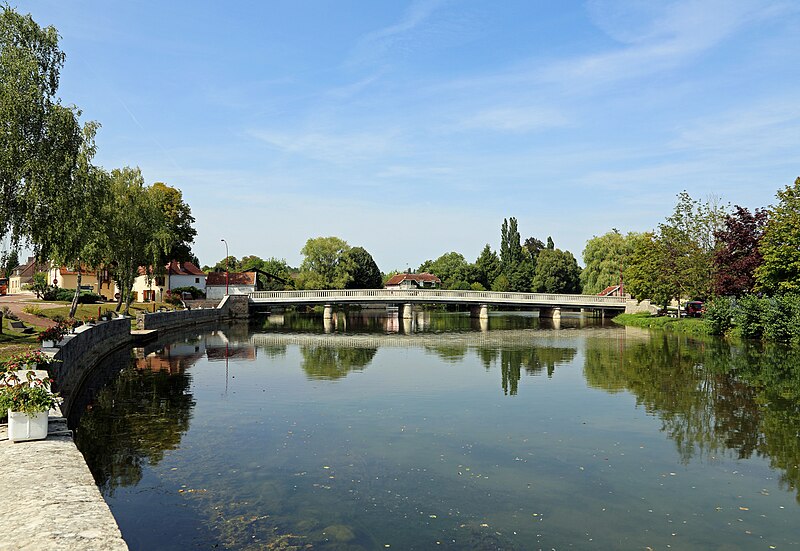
x,y
28,402
50,336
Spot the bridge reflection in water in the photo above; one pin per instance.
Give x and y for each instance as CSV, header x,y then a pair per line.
x,y
549,305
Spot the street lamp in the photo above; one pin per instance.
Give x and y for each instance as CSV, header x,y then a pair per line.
x,y
226,265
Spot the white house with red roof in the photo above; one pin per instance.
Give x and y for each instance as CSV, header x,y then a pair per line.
x,y
176,275
413,281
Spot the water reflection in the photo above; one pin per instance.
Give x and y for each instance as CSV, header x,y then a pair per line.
x,y
712,398
329,363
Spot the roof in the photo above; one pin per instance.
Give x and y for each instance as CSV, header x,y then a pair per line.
x,y
423,277
217,279
178,268
608,291
183,268
29,268
63,270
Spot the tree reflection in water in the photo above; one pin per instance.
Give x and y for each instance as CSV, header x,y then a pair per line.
x,y
331,363
132,422
712,397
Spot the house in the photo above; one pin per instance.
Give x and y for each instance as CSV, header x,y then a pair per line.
x,y
413,281
23,275
237,283
176,275
99,282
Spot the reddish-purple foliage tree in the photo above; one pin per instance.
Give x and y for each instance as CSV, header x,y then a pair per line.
x,y
737,256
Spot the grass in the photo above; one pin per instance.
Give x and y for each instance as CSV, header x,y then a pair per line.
x,y
12,341
691,326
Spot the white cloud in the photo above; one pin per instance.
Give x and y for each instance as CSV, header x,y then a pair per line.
x,y
330,147
515,119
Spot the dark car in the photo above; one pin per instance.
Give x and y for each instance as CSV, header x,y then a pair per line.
x,y
694,309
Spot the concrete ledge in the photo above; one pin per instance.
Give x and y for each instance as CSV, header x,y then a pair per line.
x,y
50,497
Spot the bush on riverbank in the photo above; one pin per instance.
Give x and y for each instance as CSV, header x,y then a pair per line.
x,y
775,319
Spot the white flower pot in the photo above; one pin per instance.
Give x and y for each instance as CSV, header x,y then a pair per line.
x,y
27,426
48,344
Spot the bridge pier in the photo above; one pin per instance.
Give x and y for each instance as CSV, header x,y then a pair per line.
x,y
550,313
327,313
406,311
480,311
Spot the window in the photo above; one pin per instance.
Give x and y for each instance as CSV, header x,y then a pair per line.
x,y
160,281
197,280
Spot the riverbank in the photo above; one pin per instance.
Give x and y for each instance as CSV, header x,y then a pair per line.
x,y
46,484
689,326
51,498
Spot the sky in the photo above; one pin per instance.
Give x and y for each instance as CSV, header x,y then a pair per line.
x,y
413,128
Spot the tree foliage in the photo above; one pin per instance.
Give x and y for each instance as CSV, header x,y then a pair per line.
x,y
326,264
605,257
556,272
452,268
365,273
737,256
41,139
137,233
780,244
487,267
179,216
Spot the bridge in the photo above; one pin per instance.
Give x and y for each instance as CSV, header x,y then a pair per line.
x,y
549,305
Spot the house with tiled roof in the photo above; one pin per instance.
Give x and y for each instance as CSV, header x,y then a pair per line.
x,y
96,281
176,275
218,284
23,275
611,291
413,281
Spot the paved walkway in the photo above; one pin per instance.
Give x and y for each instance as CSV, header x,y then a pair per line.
x,y
16,303
50,498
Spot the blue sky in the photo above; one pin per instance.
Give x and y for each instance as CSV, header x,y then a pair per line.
x,y
413,128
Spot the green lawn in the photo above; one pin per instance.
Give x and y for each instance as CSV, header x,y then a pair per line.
x,y
692,326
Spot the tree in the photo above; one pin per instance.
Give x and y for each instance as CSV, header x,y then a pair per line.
x,y
737,257
780,244
510,247
452,268
646,273
179,217
556,272
41,139
605,257
136,229
39,284
365,274
326,264
550,244
8,262
487,267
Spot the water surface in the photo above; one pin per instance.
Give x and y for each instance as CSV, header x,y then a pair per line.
x,y
446,435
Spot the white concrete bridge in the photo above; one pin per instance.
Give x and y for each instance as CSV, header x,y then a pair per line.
x,y
549,305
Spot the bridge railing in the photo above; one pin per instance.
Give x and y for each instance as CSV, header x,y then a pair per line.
x,y
435,295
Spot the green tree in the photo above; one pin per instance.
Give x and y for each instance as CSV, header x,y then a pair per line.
x,y
556,272
605,257
9,262
452,268
326,264
365,274
780,244
136,229
510,246
179,215
41,139
487,267
646,273
550,244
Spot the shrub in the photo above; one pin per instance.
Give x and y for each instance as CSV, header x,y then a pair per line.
x,y
748,316
195,292
65,295
719,315
33,310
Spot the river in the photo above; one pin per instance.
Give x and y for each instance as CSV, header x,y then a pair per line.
x,y
370,434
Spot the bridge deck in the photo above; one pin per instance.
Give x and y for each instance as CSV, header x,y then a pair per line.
x,y
436,296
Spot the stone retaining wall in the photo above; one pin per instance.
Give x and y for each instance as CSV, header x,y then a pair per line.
x,y
231,307
80,352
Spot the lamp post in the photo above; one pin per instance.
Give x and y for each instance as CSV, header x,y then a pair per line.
x,y
226,265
